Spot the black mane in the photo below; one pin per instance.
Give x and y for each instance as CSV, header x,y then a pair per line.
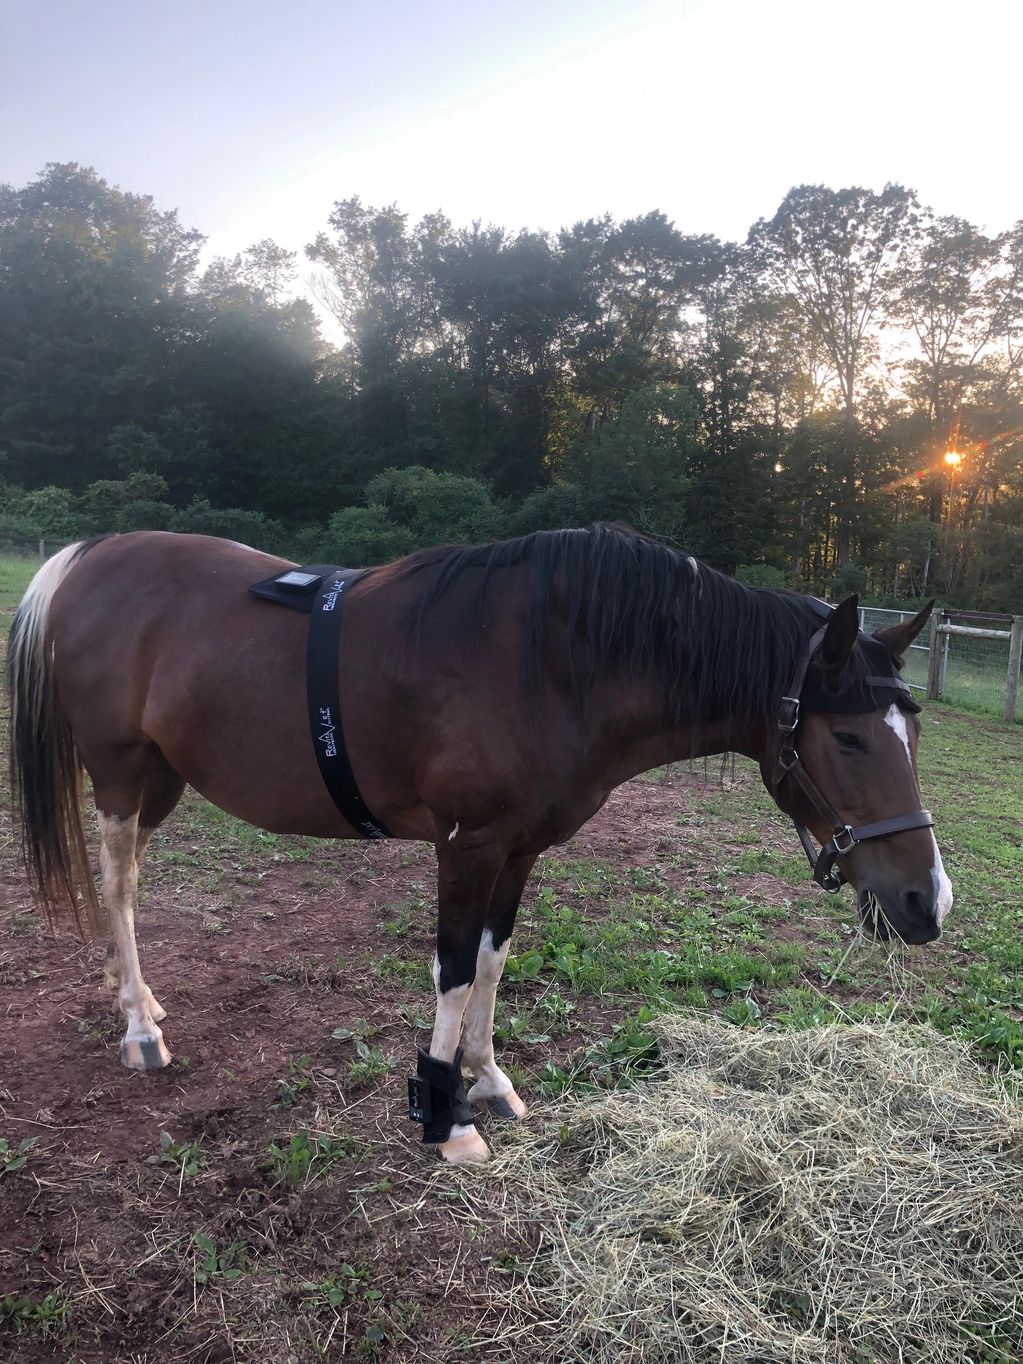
x,y
636,607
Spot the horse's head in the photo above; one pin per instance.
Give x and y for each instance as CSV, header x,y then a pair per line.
x,y
847,771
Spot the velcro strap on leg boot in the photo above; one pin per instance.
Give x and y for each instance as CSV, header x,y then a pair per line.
x,y
437,1099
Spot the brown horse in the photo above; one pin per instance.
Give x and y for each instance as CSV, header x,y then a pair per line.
x,y
491,699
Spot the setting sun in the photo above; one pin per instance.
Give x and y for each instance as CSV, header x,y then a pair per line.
x,y
952,457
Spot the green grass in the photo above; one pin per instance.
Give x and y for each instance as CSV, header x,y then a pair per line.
x,y
745,932
975,676
15,576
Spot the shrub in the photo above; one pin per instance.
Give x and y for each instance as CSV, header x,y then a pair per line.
x,y
233,523
358,536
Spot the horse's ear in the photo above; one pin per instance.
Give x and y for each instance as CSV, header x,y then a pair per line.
x,y
898,638
840,636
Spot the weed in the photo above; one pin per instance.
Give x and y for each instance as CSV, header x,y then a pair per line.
x,y
628,1054
373,1064
527,967
359,1031
292,1086
338,1290
47,1317
406,912
744,1012
558,1007
14,1157
304,1156
414,1017
417,974
185,1157
519,1028
211,1265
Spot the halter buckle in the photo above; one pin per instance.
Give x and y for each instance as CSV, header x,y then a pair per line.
x,y
789,717
837,835
832,880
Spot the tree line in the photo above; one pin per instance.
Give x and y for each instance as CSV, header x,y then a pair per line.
x,y
835,402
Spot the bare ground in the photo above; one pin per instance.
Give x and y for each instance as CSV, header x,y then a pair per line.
x,y
258,958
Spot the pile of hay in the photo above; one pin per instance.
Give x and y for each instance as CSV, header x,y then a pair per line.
x,y
850,1194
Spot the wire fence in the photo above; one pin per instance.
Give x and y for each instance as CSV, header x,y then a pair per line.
x,y
17,546
915,672
977,657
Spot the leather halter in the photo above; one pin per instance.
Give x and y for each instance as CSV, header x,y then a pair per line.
x,y
844,837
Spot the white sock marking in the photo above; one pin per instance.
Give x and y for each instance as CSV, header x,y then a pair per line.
x,y
491,1081
447,1027
120,892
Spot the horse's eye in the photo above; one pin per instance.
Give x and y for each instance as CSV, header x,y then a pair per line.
x,y
849,740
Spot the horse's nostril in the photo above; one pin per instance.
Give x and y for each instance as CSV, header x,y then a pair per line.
x,y
921,913
920,906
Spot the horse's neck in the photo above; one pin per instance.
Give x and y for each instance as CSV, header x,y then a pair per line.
x,y
636,735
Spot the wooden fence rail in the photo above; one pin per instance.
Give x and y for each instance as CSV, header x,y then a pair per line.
x,y
941,627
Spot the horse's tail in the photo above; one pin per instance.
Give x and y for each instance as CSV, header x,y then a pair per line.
x,y
46,771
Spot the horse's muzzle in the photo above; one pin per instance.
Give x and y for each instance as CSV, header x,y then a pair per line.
x,y
911,916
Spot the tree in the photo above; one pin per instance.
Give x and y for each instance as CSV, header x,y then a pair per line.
x,y
839,254
634,468
633,280
376,282
93,293
269,269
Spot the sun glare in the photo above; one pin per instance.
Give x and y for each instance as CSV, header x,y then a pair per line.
x,y
952,457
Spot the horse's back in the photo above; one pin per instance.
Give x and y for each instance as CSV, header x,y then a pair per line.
x,y
158,641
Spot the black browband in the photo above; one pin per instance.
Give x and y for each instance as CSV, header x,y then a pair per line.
x,y
844,837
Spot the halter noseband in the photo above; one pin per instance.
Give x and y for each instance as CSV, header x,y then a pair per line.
x,y
844,837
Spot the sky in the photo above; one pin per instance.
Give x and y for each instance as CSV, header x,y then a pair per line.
x,y
253,118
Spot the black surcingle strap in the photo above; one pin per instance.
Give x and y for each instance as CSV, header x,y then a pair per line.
x,y
323,691
319,590
437,1098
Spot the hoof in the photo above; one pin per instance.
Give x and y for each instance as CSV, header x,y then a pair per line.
x,y
507,1107
467,1148
145,1053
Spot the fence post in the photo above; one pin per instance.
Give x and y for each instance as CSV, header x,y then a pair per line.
x,y
933,657
1012,681
42,550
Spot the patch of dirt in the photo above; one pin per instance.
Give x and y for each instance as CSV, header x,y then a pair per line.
x,y
258,958
256,966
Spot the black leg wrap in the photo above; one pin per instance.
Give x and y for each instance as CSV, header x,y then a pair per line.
x,y
436,1097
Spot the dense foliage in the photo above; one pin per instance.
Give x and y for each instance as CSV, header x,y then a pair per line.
x,y
784,405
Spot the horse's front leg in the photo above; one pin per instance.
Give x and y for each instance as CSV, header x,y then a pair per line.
x,y
493,1087
467,875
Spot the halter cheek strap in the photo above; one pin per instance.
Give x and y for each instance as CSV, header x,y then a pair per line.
x,y
844,837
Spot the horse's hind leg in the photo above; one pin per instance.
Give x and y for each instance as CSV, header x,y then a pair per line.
x,y
493,1088
142,1047
160,795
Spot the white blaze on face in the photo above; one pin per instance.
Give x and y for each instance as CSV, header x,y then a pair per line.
x,y
895,720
